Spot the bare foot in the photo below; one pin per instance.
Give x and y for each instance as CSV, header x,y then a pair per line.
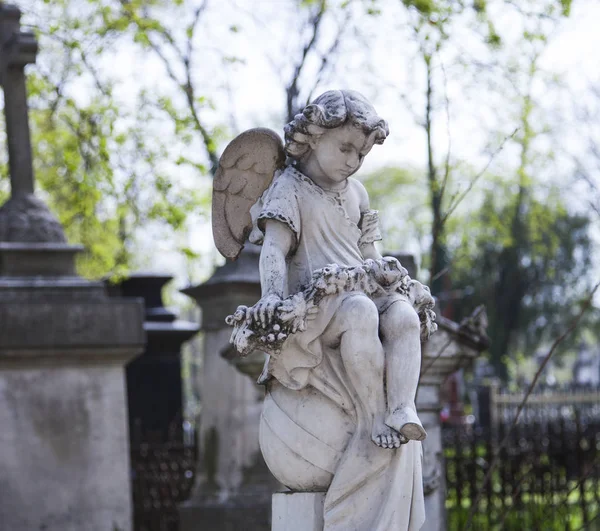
x,y
406,422
387,437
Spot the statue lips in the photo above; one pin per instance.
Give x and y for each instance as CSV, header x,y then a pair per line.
x,y
346,172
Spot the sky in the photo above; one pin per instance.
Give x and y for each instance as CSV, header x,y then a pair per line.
x,y
376,60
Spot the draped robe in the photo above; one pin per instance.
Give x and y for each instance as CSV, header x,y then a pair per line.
x,y
368,488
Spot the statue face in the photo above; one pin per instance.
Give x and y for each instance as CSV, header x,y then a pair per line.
x,y
340,152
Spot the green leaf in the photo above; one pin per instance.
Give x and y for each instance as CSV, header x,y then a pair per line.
x,y
189,253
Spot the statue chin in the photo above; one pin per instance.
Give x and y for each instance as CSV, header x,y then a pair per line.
x,y
302,436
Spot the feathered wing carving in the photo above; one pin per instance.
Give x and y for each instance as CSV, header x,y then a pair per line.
x,y
245,171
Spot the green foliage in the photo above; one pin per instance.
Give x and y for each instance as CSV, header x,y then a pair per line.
x,y
527,261
566,7
399,194
102,170
424,7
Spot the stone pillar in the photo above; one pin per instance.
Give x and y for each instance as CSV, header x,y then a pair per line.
x,y
452,347
64,456
154,385
233,487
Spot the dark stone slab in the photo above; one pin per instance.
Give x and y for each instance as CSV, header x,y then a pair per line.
x,y
62,325
154,384
249,515
37,259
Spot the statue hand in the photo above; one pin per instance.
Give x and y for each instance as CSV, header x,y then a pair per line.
x,y
295,311
264,309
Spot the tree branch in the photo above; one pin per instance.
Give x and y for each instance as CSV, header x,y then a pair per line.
x,y
326,57
187,86
455,203
448,135
292,90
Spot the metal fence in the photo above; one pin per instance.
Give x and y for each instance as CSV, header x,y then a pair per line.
x,y
162,477
547,477
548,473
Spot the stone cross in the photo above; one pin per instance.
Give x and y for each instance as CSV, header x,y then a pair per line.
x,y
17,49
23,218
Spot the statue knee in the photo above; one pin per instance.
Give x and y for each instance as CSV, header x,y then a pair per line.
x,y
360,313
399,320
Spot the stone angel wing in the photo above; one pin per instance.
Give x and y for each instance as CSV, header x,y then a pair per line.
x,y
246,170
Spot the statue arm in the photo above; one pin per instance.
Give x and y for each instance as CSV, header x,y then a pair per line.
x,y
367,248
277,245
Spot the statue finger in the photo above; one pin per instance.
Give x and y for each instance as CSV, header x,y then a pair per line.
x,y
263,315
257,309
271,310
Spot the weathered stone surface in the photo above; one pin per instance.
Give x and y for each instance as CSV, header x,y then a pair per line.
x,y
298,511
259,153
61,326
154,380
233,487
64,462
249,513
17,290
234,283
453,347
40,260
24,218
343,325
64,459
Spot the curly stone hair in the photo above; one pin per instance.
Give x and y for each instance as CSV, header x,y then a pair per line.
x,y
332,109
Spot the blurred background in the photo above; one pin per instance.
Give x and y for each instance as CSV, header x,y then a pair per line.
x,y
490,178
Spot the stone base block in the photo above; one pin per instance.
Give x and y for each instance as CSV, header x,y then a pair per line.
x,y
38,259
298,511
194,516
64,452
64,459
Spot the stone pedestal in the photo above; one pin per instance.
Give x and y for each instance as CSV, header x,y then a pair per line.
x,y
233,487
449,349
64,458
154,385
298,511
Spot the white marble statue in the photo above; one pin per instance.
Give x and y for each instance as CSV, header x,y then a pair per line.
x,y
341,324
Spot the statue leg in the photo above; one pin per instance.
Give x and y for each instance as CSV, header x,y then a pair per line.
x,y
355,331
401,339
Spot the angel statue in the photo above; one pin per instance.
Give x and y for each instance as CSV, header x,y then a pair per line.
x,y
342,326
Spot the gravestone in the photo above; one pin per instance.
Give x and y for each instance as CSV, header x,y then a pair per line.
x,y
233,485
154,384
452,347
64,458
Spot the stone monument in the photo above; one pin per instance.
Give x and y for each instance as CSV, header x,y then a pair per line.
x,y
233,485
154,383
64,459
342,325
454,346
